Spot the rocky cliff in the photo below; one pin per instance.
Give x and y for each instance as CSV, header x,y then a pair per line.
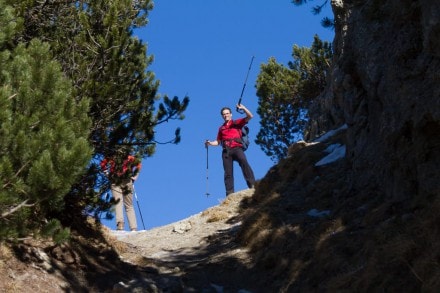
x,y
382,199
385,86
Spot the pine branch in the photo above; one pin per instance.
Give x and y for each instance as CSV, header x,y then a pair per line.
x,y
16,175
16,208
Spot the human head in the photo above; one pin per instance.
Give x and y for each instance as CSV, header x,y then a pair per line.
x,y
226,110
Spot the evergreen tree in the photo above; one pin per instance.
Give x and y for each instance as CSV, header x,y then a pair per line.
x,y
44,146
279,110
312,64
326,22
94,42
285,94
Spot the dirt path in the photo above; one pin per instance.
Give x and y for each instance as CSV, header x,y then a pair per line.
x,y
195,254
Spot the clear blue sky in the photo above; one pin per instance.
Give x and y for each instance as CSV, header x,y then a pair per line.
x,y
203,48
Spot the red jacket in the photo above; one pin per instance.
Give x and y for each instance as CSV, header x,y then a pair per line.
x,y
229,134
130,167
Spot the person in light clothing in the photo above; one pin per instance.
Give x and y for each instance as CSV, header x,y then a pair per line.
x,y
122,176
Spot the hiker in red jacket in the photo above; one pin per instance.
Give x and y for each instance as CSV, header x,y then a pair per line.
x,y
122,174
229,137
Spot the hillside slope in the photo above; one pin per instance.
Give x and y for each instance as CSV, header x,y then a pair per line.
x,y
302,229
365,221
199,254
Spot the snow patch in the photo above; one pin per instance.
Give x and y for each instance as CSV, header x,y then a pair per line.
x,y
318,214
330,133
121,234
336,152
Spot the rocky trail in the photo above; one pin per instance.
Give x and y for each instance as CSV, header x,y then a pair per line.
x,y
197,254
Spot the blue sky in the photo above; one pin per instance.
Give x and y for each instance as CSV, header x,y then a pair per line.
x,y
202,49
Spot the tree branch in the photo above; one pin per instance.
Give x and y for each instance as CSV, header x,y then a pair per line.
x,y
16,208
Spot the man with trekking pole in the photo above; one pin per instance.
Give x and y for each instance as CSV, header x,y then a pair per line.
x,y
122,172
229,137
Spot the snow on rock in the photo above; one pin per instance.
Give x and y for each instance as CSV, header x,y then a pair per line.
x,y
318,214
122,234
336,152
330,133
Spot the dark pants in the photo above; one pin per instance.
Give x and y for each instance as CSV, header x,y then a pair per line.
x,y
229,156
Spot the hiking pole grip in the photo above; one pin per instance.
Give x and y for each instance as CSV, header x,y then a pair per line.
x,y
241,111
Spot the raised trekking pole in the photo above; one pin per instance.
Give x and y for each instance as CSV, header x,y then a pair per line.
x,y
207,171
139,207
244,85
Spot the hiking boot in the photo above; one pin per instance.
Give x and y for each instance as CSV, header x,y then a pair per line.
x,y
120,226
133,229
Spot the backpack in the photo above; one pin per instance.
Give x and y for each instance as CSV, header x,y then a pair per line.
x,y
245,137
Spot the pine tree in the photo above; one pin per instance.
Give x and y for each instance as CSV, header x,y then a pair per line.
x,y
93,41
317,9
313,64
277,87
285,94
44,146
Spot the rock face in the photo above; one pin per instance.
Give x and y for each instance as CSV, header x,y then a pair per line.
x,y
385,86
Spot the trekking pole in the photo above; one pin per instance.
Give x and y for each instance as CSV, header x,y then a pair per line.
x,y
207,171
244,85
139,207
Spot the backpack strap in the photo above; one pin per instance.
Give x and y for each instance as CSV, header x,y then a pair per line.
x,y
238,140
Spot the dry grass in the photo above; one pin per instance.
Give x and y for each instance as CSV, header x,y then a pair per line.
x,y
367,244
7,260
215,214
13,287
227,208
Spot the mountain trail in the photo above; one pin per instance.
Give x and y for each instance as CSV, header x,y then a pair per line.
x,y
195,253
